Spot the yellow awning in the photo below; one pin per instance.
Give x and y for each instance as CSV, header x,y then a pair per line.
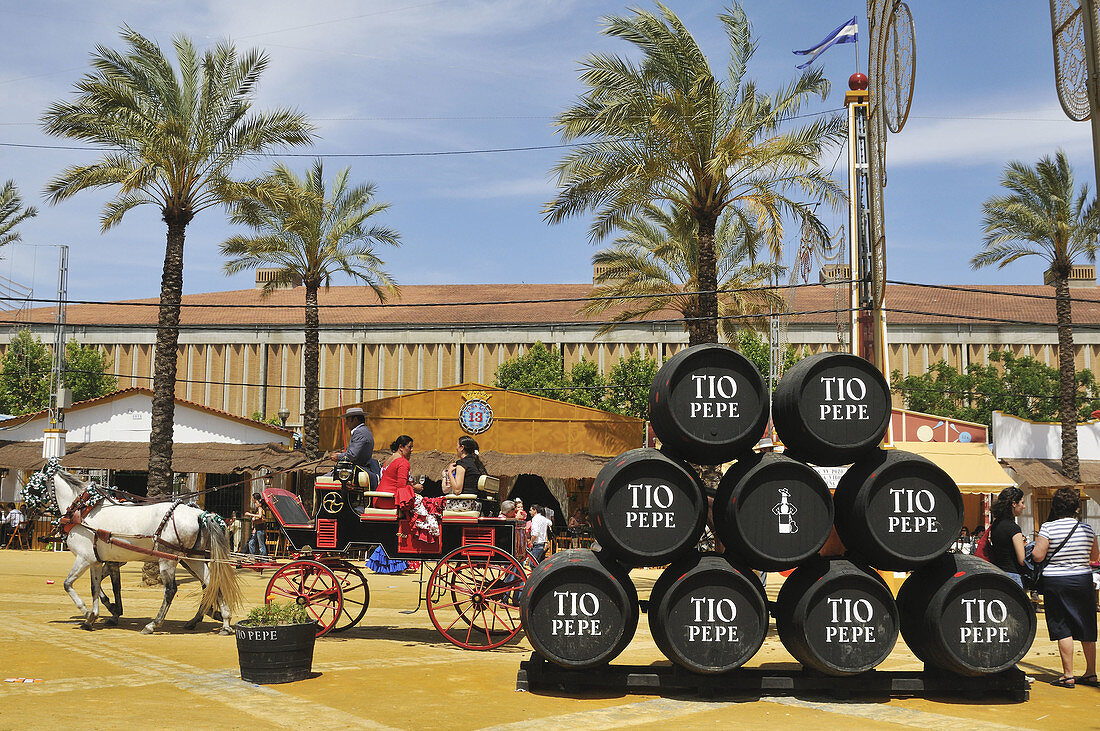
x,y
972,466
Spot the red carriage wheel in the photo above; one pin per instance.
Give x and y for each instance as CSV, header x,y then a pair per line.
x,y
469,595
312,585
354,589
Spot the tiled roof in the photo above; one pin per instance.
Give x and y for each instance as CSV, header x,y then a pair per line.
x,y
907,304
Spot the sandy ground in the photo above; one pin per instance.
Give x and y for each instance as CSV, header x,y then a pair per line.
x,y
395,671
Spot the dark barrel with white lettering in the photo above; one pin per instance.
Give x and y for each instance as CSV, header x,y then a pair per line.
x,y
836,617
831,408
579,608
647,508
708,615
773,512
962,614
897,509
708,403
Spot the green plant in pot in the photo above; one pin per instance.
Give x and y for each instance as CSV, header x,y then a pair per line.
x,y
275,643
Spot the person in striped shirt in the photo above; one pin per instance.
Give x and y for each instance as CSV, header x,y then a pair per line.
x,y
1067,583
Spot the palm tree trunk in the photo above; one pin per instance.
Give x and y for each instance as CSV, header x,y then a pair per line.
x,y
1067,392
164,364
164,371
706,330
311,421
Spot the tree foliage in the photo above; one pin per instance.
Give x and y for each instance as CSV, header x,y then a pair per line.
x,y
309,230
654,263
628,384
540,372
12,213
25,375
170,135
758,350
1043,214
25,379
88,371
1022,387
662,127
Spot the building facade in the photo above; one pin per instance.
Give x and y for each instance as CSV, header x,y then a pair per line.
x,y
242,352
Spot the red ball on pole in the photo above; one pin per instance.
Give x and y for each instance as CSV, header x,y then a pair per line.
x,y
857,82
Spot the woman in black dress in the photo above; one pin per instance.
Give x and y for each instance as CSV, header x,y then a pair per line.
x,y
461,476
1006,540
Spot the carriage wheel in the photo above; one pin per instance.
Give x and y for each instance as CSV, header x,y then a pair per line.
x,y
311,585
356,593
468,595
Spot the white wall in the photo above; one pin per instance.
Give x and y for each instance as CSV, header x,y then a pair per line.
x,y
1015,438
129,419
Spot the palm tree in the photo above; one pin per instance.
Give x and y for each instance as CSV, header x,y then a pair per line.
x,y
12,213
309,234
666,129
656,261
1043,215
172,140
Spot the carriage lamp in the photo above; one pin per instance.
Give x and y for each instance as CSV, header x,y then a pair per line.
x,y
283,414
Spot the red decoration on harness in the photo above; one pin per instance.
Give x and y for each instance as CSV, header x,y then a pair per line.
x,y
79,510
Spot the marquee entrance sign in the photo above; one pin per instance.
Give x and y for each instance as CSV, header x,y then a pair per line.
x,y
476,415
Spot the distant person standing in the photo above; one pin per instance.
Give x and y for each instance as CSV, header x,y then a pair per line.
x,y
1006,540
1066,583
257,546
13,522
540,534
234,529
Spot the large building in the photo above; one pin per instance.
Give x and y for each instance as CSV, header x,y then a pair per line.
x,y
241,351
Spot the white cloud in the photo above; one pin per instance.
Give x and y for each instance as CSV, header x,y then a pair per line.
x,y
992,133
529,187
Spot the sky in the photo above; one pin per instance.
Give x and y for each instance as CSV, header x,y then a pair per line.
x,y
383,77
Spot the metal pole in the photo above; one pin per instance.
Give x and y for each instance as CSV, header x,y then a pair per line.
x,y
1092,84
57,408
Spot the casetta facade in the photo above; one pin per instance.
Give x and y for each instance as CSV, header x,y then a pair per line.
x,y
242,352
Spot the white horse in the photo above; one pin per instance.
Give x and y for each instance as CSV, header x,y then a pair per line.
x,y
174,531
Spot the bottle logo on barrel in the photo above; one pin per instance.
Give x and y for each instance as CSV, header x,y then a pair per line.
x,y
713,620
850,621
650,506
785,512
714,397
912,512
845,399
985,622
576,616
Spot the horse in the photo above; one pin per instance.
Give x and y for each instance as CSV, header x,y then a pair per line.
x,y
111,532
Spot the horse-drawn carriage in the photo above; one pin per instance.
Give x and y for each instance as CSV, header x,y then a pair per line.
x,y
470,593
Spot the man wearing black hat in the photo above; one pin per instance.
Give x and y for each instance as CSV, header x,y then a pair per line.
x,y
360,451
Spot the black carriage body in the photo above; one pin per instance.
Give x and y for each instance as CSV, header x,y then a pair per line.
x,y
338,526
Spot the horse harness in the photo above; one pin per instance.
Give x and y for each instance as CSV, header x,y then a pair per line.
x,y
89,500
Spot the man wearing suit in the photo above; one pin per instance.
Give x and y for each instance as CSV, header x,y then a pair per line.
x,y
360,451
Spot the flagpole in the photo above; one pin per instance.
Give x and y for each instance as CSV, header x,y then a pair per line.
x,y
857,51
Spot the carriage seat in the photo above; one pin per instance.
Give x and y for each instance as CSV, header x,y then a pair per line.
x,y
373,512
447,513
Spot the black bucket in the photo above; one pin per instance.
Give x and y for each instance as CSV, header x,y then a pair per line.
x,y
279,654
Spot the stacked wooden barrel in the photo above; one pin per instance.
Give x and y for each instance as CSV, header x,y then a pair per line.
x,y
892,510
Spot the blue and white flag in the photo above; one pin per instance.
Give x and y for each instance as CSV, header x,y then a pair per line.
x,y
846,33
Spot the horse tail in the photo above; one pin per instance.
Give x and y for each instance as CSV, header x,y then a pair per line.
x,y
224,583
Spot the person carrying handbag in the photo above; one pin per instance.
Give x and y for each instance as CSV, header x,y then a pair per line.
x,y
1004,541
1066,584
